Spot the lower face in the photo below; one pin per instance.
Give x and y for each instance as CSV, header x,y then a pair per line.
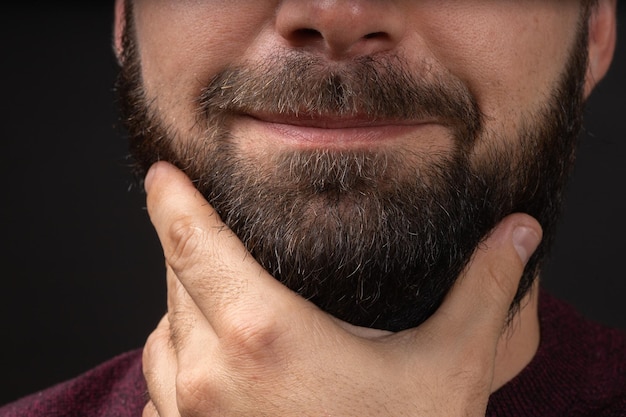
x,y
373,222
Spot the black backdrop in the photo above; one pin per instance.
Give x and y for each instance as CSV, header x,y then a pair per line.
x,y
82,269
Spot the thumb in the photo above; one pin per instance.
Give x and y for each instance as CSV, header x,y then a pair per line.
x,y
479,302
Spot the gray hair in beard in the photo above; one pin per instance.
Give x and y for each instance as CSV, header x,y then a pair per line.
x,y
374,237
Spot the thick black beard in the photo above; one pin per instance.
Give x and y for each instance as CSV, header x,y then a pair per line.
x,y
374,238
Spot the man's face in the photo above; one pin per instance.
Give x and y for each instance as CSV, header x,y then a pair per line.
x,y
361,149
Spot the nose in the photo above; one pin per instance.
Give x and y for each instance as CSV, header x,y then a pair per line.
x,y
340,28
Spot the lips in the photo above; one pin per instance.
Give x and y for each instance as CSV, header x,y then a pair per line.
x,y
331,130
327,121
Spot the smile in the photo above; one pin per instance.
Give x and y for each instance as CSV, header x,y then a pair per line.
x,y
332,131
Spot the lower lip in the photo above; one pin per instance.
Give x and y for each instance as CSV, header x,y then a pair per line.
x,y
342,137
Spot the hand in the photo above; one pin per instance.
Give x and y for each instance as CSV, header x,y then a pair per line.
x,y
236,342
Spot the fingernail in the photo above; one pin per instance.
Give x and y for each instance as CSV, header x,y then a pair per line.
x,y
525,241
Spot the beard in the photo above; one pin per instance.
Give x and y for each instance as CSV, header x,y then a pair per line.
x,y
375,237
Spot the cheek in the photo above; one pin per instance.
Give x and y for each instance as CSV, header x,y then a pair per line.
x,y
183,44
510,54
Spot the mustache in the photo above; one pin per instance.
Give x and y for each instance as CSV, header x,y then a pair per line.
x,y
378,88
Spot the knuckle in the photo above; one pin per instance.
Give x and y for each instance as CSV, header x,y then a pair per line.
x,y
155,347
187,238
195,390
254,339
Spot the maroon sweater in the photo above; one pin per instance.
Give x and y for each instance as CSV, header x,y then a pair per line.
x,y
579,370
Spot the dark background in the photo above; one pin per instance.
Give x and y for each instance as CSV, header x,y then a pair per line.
x,y
82,269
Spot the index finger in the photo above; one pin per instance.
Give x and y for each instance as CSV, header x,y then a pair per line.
x,y
220,275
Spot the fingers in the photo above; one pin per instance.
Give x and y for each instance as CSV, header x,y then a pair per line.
x,y
160,369
232,342
150,410
191,335
479,302
209,260
175,356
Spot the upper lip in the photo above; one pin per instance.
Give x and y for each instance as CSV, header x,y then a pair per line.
x,y
330,121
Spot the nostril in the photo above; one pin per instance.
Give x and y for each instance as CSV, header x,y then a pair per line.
x,y
340,29
305,35
375,35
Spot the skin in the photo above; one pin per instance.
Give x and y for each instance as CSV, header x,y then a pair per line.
x,y
178,59
236,342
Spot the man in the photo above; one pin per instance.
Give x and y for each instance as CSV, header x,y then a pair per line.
x,y
397,170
